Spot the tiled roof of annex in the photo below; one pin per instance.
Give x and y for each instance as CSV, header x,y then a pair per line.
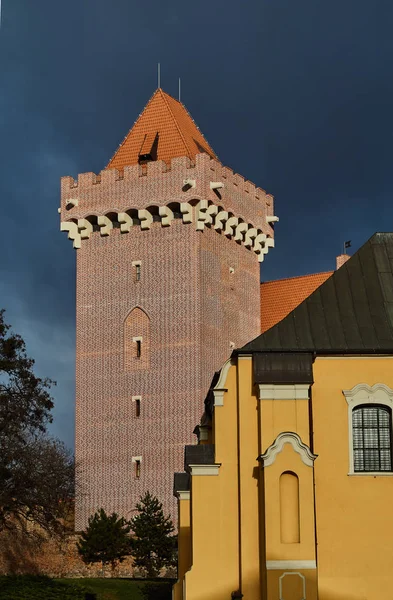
x,y
280,297
164,130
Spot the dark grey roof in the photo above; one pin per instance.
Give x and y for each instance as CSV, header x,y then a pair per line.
x,y
201,454
181,483
352,311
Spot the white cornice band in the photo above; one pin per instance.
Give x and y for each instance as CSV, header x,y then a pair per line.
x,y
293,391
204,469
183,494
283,565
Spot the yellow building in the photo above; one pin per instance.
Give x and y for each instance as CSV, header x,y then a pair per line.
x,y
288,494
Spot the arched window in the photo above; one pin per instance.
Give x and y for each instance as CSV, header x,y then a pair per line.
x,y
372,438
136,340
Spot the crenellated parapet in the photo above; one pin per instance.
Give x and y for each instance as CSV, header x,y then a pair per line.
x,y
199,213
140,186
204,194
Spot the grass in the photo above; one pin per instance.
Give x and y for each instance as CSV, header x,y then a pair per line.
x,y
127,589
44,588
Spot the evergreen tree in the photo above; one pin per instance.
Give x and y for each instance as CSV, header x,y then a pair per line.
x,y
106,539
152,545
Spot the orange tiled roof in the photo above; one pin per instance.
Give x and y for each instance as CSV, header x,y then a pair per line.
x,y
280,297
165,130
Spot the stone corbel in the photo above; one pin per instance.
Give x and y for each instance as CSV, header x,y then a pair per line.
x,y
85,228
105,225
167,215
251,234
186,211
146,218
126,222
221,218
231,226
73,233
261,238
240,232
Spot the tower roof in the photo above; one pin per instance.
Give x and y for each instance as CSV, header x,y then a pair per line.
x,y
164,130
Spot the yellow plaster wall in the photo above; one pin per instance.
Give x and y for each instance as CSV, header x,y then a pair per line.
x,y
289,460
248,424
284,415
215,525
184,547
353,512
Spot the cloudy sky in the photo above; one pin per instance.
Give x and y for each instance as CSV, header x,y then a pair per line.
x,y
296,95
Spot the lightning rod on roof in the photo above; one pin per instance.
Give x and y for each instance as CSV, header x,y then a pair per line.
x,y
179,86
159,75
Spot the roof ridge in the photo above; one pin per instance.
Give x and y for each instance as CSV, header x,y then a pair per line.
x,y
132,127
163,94
198,128
298,277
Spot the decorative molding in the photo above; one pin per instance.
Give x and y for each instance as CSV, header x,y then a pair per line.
x,y
85,228
203,433
137,339
278,565
167,215
73,233
205,213
145,218
135,398
204,469
377,393
183,494
240,232
105,225
290,391
362,393
186,211
292,438
272,219
136,263
71,202
135,459
220,389
126,222
216,185
289,574
221,218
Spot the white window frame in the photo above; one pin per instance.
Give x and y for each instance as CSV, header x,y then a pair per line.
x,y
363,394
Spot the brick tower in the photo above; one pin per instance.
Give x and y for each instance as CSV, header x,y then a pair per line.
x,y
168,249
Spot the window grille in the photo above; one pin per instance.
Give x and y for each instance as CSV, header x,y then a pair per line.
x,y
372,438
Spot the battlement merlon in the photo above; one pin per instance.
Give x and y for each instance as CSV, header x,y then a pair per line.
x,y
156,184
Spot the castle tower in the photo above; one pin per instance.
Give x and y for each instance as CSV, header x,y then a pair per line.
x,y
168,249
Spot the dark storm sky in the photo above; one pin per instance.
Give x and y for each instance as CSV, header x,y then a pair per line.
x,y
296,95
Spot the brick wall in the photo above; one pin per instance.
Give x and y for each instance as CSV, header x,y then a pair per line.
x,y
198,293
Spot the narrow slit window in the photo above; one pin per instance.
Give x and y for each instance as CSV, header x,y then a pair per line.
x,y
137,272
138,348
138,407
137,469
